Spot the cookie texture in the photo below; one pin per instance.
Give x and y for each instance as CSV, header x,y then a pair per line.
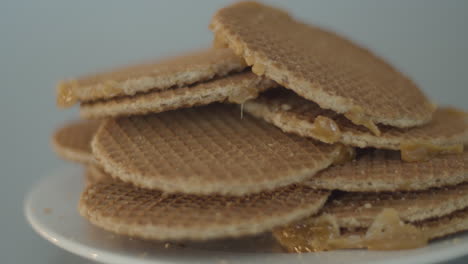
x,y
94,174
321,66
73,141
358,210
173,72
150,214
204,150
294,114
383,170
388,232
235,88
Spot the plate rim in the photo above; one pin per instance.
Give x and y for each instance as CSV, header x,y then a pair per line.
x,y
103,255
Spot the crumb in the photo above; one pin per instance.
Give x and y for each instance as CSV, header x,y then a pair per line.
x,y
368,205
47,210
167,245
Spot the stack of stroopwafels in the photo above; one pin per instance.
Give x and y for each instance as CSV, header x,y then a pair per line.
x,y
281,127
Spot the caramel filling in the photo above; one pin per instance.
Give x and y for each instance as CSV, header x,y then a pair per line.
x,y
308,236
65,95
250,60
258,69
243,95
413,152
325,129
358,117
345,154
387,232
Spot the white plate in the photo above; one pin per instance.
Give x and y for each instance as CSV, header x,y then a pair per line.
x,y
50,208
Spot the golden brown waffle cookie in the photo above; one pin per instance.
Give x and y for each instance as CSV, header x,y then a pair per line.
x,y
294,114
235,88
153,76
321,66
381,170
206,150
387,233
94,174
356,210
447,225
73,141
150,214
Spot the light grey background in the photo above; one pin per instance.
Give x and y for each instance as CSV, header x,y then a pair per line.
x,y
42,42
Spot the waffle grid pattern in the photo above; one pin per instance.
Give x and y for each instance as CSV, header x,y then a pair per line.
x,y
380,170
357,210
294,114
206,150
177,71
145,213
235,88
320,66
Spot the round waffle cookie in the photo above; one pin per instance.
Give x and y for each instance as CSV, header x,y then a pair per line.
x,y
170,73
357,210
321,66
205,150
383,170
150,214
235,88
294,114
73,141
94,174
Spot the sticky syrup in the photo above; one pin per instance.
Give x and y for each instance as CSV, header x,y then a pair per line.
x,y
258,68
345,154
387,232
243,95
65,97
358,117
325,129
311,235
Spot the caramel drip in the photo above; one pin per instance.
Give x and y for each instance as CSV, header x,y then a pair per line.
x,y
65,95
387,232
243,95
357,116
258,68
309,236
325,129
345,154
